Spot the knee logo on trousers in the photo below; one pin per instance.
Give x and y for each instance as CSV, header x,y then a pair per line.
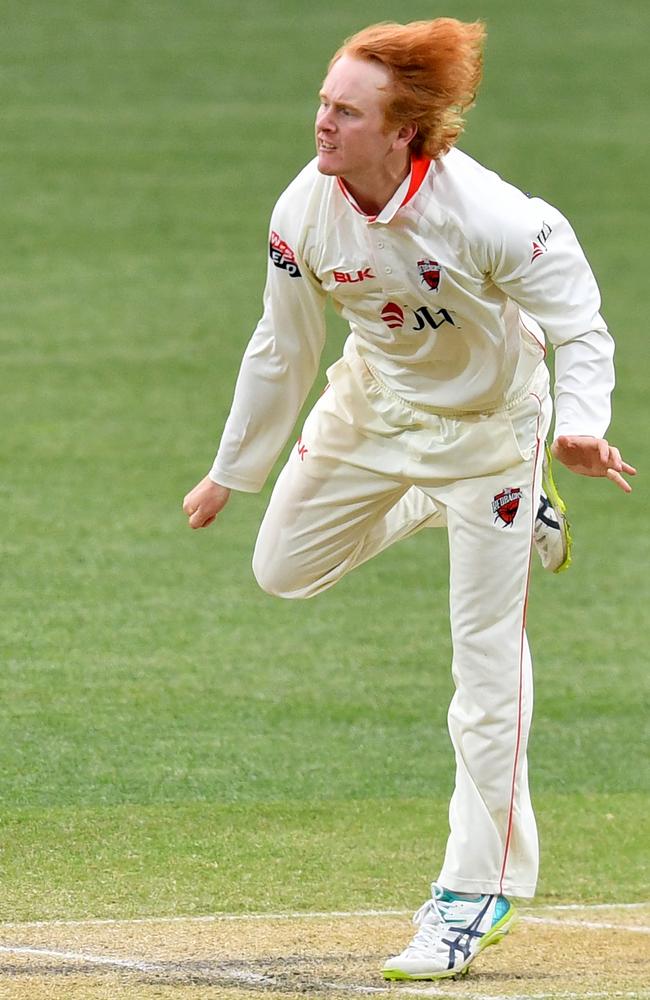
x,y
506,504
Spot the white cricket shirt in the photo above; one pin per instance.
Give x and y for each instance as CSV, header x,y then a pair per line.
x,y
447,292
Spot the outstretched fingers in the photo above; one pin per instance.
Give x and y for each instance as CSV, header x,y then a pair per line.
x,y
589,456
614,475
614,466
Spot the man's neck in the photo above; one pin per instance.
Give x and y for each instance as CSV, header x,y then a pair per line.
x,y
373,191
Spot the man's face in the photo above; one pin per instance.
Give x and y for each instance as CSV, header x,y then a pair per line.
x,y
351,135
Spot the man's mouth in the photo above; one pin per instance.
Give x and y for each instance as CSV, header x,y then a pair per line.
x,y
326,147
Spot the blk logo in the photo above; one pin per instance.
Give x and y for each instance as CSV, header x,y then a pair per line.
x,y
302,449
353,277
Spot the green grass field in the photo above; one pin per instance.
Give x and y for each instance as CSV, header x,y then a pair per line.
x,y
172,741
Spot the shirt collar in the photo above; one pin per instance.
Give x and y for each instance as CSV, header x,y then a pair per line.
x,y
407,189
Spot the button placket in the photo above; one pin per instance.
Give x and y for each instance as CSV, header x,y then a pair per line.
x,y
381,255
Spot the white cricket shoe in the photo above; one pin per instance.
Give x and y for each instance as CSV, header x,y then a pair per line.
x,y
551,533
452,932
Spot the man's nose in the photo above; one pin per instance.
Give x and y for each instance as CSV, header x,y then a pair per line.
x,y
324,119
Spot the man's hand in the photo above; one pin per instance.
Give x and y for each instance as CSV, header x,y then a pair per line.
x,y
203,503
590,456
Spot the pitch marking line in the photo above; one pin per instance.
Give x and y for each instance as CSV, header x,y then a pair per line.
x,y
299,915
589,924
77,956
253,978
240,976
590,906
212,918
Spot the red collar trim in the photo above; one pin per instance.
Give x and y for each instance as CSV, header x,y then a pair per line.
x,y
419,167
350,197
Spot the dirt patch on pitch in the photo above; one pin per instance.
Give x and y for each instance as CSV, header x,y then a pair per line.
x,y
583,953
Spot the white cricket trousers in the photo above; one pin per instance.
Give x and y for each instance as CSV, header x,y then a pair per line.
x,y
370,469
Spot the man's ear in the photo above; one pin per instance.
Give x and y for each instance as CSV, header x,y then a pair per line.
x,y
405,136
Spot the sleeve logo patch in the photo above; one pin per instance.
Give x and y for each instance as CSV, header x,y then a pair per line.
x,y
540,242
283,256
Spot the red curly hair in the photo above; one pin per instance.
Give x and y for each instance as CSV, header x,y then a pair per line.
x,y
436,68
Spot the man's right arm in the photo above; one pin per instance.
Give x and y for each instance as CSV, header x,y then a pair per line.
x,y
278,369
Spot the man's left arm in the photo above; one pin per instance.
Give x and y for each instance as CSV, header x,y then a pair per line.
x,y
541,266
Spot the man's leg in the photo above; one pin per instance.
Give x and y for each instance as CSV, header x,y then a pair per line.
x,y
343,495
319,527
492,846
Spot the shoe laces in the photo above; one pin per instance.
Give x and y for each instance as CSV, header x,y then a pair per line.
x,y
429,913
431,918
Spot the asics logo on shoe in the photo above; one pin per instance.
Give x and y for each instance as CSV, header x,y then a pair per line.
x,y
465,935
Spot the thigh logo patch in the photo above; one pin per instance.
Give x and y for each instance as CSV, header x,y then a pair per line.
x,y
506,504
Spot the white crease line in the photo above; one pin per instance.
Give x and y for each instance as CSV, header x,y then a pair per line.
x,y
352,990
590,924
243,976
296,915
437,991
561,995
525,918
239,975
76,956
213,918
590,906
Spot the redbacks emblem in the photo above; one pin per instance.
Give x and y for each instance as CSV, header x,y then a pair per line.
x,y
506,504
430,273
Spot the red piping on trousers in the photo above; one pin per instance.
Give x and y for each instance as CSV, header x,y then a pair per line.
x,y
511,807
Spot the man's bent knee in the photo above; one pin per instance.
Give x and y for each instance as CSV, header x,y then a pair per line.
x,y
275,578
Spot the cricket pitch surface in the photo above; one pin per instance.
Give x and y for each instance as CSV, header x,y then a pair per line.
x,y
553,953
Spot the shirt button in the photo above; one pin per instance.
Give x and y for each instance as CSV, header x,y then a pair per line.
x,y
388,270
381,246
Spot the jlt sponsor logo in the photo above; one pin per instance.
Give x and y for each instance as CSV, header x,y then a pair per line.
x,y
506,504
283,256
394,316
540,242
353,277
